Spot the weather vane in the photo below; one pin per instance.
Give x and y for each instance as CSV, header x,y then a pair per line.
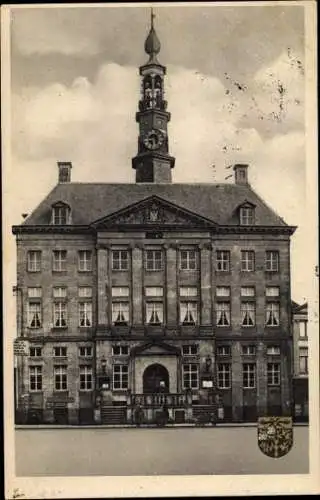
x,y
152,17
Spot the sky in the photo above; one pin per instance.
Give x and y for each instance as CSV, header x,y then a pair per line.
x,y
235,88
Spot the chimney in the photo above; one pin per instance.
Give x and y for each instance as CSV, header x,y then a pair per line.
x,y
64,171
241,173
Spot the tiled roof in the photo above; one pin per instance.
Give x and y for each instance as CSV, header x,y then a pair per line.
x,y
91,201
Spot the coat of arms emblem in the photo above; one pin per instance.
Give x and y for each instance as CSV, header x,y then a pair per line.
x,y
275,436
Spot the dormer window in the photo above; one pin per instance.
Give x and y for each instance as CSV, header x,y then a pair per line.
x,y
247,215
61,214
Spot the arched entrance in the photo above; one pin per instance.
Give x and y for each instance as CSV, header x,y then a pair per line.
x,y
152,376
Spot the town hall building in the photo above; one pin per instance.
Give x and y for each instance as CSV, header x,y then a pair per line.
x,y
153,292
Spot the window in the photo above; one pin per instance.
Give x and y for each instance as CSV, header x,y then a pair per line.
x,y
272,314
34,261
248,350
188,260
303,360
303,329
59,314
223,260
59,292
85,292
85,351
224,375
223,313
60,378
249,375
246,216
60,215
273,350
273,373
119,260
272,261
272,291
154,313
188,291
248,291
86,378
120,313
153,260
35,352
120,291
190,376
60,260
224,350
34,315
35,293
154,291
60,352
248,315
247,260
190,350
85,260
120,350
188,313
35,378
223,291
85,314
120,377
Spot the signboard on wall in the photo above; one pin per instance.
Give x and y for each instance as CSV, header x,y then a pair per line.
x,y
207,384
20,347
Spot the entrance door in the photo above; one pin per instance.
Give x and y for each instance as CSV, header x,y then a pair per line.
x,y
155,379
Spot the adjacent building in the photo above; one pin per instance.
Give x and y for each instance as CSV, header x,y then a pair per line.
x,y
300,356
153,291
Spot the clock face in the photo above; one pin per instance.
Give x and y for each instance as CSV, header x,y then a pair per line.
x,y
153,139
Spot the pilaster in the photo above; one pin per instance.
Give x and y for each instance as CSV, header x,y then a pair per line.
x,y
205,278
137,284
171,282
103,281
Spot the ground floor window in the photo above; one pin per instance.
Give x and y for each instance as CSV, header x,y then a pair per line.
x,y
120,377
190,376
85,378
60,378
249,375
35,378
303,360
224,375
273,373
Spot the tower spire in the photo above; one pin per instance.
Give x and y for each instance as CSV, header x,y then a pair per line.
x,y
152,44
153,162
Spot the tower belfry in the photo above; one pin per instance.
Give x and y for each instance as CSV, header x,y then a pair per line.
x,y
153,162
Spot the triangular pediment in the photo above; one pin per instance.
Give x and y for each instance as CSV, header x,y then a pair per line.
x,y
152,348
246,204
153,212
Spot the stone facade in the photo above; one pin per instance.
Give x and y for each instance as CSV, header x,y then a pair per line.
x,y
239,403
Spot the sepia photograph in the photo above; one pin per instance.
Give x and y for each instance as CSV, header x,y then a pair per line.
x,y
160,248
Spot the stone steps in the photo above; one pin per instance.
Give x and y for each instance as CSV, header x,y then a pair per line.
x,y
115,415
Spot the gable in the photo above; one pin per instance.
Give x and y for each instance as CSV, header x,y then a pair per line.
x,y
153,212
152,348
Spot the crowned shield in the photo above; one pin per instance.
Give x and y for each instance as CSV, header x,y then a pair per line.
x,y
275,436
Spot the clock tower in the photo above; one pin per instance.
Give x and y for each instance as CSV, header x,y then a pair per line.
x,y
153,162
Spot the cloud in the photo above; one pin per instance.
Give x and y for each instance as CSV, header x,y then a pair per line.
x,y
92,124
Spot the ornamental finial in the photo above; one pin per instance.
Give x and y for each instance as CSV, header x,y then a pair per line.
x,y
152,44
